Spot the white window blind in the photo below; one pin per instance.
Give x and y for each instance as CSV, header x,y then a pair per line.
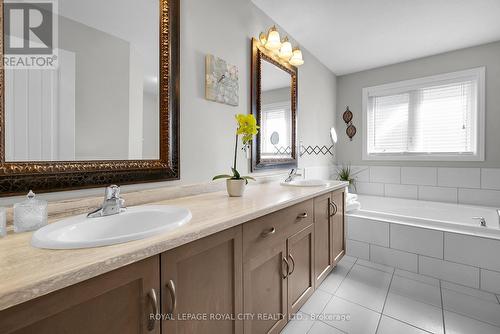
x,y
428,117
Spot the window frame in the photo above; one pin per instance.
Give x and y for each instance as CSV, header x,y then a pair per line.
x,y
478,74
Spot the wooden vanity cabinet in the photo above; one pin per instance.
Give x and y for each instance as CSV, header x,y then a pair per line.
x,y
277,267
329,233
120,302
202,285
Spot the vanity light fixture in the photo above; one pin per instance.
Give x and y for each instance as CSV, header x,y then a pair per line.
x,y
296,59
283,49
286,49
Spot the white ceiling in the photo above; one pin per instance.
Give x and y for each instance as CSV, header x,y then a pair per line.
x,y
354,35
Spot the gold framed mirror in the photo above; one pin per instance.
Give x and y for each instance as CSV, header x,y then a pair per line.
x,y
108,112
274,105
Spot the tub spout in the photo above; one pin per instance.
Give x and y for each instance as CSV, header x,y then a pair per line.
x,y
482,221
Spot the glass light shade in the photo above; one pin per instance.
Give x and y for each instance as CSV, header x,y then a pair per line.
x,y
286,49
296,59
273,39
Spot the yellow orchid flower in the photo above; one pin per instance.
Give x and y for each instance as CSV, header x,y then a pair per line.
x,y
247,126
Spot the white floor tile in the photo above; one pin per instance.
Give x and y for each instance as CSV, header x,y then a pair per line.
x,y
458,324
299,325
471,307
365,286
417,277
332,281
374,265
415,290
469,291
322,328
391,326
415,313
347,258
361,320
316,303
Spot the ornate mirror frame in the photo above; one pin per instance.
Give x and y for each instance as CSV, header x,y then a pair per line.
x,y
259,54
19,177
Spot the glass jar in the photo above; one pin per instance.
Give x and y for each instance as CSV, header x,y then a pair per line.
x,y
30,214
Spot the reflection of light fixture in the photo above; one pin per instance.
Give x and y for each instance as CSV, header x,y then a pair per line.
x,y
286,49
273,42
296,59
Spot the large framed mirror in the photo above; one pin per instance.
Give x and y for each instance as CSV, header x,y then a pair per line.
x,y
106,112
274,105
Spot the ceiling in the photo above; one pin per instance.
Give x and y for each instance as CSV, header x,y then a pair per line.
x,y
353,35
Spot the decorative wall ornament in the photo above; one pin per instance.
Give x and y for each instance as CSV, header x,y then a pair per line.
x,y
351,129
221,81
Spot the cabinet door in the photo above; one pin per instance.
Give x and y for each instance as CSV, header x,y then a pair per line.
x,y
338,226
204,279
265,290
300,250
323,242
119,302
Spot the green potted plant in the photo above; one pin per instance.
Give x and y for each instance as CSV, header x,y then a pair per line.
x,y
247,128
345,173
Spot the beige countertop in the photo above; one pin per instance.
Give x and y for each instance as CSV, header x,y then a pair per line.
x,y
27,272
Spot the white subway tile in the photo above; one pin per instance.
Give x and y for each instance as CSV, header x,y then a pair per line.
x,y
417,277
470,291
438,194
479,197
385,174
475,251
417,240
490,281
393,258
358,249
361,173
490,178
449,271
425,176
367,230
459,177
376,189
401,191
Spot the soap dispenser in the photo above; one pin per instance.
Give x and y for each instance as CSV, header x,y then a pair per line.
x,y
30,214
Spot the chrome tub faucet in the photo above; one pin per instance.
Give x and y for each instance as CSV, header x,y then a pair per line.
x,y
292,175
113,204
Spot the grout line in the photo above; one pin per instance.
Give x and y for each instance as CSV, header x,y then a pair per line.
x,y
497,298
385,301
421,329
329,325
442,306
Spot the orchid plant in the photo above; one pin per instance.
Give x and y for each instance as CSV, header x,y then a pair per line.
x,y
247,128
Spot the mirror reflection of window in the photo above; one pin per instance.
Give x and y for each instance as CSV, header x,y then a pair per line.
x,y
276,113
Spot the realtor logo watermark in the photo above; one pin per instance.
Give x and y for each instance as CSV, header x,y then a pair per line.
x,y
30,34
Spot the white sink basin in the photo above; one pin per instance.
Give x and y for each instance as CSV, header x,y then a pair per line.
x,y
133,224
305,183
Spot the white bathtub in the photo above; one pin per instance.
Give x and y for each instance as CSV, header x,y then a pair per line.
x,y
458,218
439,240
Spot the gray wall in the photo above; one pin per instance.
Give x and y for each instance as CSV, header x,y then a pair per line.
x,y
224,28
276,95
350,90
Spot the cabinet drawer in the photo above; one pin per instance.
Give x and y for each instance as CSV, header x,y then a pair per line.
x,y
276,227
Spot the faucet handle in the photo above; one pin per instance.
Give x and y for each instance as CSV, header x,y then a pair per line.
x,y
112,192
482,220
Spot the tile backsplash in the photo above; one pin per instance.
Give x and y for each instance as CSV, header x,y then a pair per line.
x,y
478,186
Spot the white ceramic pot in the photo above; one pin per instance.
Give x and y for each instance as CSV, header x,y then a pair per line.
x,y
235,188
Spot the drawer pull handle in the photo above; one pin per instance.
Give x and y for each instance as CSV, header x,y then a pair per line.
x,y
271,231
302,215
171,290
287,268
334,209
293,264
154,304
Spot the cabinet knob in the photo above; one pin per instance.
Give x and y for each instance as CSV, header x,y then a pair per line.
x,y
269,232
154,305
302,215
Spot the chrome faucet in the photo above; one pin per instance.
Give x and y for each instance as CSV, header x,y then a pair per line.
x,y
113,204
482,221
292,175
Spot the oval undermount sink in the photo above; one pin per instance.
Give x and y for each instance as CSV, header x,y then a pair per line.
x,y
133,224
305,183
